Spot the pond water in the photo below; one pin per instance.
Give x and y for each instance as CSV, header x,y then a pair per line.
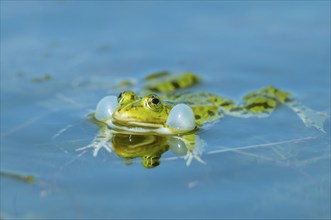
x,y
59,58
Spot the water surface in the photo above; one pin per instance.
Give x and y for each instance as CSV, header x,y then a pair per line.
x,y
255,168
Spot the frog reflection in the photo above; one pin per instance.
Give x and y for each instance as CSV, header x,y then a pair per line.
x,y
148,147
151,147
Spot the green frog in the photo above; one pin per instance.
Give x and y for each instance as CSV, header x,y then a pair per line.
x,y
162,116
147,146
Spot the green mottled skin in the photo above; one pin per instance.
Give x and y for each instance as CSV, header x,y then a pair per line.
x,y
161,91
207,107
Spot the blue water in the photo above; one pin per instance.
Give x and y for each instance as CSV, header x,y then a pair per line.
x,y
255,168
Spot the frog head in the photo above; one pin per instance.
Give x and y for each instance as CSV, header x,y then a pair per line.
x,y
148,114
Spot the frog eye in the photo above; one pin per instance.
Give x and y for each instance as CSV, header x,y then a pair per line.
x,y
105,108
181,117
154,103
126,96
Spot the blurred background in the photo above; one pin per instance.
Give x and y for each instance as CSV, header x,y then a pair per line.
x,y
58,58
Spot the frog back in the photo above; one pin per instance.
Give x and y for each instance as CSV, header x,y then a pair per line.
x,y
205,105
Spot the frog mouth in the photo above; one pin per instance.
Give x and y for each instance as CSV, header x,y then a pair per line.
x,y
136,127
132,124
133,128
